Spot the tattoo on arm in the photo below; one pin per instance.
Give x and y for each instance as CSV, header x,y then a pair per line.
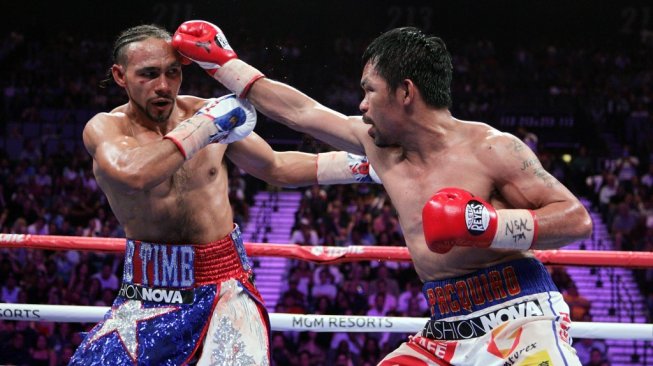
x,y
517,146
547,178
528,163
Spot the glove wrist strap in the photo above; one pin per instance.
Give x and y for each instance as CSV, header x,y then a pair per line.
x,y
237,76
340,167
193,134
516,229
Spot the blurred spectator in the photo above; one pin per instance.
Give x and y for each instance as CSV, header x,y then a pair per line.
x,y
581,166
378,306
335,272
325,286
596,358
65,355
386,221
343,359
341,354
14,352
10,290
38,227
281,353
292,300
316,201
305,234
623,224
607,191
587,348
108,280
560,277
303,272
316,353
384,278
579,306
41,353
354,340
382,301
413,293
371,352
625,167
42,177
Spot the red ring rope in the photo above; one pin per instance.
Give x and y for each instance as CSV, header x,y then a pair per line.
x,y
329,255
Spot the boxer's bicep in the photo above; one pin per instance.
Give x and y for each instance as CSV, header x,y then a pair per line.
x,y
106,144
519,175
121,160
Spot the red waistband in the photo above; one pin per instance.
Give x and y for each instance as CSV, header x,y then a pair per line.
x,y
183,266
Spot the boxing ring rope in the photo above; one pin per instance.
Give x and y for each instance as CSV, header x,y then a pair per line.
x,y
330,255
323,255
316,323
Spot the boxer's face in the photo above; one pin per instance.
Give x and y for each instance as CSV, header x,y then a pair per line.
x,y
379,107
151,77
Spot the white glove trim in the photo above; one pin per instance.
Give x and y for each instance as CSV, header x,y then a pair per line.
x,y
340,167
516,229
237,76
192,134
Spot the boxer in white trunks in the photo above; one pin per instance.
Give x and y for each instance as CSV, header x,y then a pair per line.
x,y
472,200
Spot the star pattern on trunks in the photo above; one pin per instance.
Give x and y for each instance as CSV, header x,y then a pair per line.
x,y
124,321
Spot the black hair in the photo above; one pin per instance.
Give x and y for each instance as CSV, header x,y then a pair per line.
x,y
407,53
130,35
137,34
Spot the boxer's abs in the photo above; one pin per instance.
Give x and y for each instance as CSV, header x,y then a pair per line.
x,y
172,214
457,262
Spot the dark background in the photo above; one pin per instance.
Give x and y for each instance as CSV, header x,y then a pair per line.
x,y
511,21
313,27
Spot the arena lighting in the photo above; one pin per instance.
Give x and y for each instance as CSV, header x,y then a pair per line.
x,y
566,158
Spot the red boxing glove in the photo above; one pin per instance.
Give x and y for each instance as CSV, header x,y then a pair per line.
x,y
454,217
203,43
206,44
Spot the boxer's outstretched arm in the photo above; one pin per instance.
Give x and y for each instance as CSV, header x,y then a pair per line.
x,y
293,168
206,44
296,110
256,157
123,161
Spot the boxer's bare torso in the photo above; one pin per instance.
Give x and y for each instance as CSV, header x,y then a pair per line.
x,y
191,206
462,162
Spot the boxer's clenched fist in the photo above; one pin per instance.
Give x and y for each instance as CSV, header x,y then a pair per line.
x,y
206,44
225,120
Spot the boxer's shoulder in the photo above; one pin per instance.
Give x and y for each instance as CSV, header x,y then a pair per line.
x,y
190,103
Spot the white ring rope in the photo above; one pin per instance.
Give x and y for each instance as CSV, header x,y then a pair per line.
x,y
315,323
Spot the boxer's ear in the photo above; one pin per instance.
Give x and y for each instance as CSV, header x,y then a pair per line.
x,y
407,91
118,73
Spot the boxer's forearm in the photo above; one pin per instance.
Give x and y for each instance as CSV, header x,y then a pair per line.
x,y
139,168
562,223
291,107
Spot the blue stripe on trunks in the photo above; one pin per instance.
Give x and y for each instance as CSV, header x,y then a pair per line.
x,y
487,287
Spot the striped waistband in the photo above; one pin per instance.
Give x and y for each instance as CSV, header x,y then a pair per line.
x,y
185,266
487,287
